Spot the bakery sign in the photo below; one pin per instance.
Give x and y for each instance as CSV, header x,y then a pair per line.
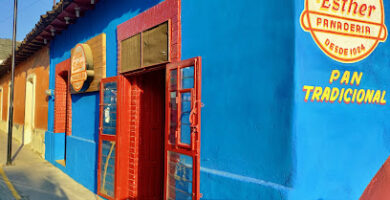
x,y
345,30
82,72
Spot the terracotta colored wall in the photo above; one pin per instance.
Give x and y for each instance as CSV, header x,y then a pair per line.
x,y
20,91
39,65
41,106
4,83
378,189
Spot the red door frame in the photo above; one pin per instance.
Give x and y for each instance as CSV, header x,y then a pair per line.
x,y
192,150
108,137
133,101
168,10
123,129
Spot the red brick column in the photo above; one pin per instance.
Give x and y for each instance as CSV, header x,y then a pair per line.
x,y
62,100
134,110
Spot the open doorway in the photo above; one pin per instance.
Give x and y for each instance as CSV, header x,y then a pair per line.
x,y
140,145
151,134
29,114
146,121
63,112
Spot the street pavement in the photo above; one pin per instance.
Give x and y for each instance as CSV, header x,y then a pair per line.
x,y
30,177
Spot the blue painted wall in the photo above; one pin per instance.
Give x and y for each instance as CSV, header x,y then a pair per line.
x,y
339,147
247,144
81,158
247,50
260,140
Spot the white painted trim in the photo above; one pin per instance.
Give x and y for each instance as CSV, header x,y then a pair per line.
x,y
9,101
29,108
1,103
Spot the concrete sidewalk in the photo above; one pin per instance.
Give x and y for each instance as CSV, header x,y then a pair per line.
x,y
34,178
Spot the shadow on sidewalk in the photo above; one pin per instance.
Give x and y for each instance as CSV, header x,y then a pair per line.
x,y
4,149
17,152
31,188
31,177
36,179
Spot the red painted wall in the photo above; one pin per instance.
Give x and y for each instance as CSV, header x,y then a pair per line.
x,y
379,187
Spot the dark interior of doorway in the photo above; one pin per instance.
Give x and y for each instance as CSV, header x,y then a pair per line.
x,y
64,96
151,134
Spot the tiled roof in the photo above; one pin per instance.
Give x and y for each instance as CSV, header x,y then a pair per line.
x,y
50,24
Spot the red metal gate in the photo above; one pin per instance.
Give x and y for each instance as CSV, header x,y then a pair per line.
x,y
182,130
107,160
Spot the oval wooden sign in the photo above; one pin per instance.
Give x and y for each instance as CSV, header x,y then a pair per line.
x,y
81,68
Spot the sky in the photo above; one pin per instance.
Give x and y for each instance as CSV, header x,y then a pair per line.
x,y
29,12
